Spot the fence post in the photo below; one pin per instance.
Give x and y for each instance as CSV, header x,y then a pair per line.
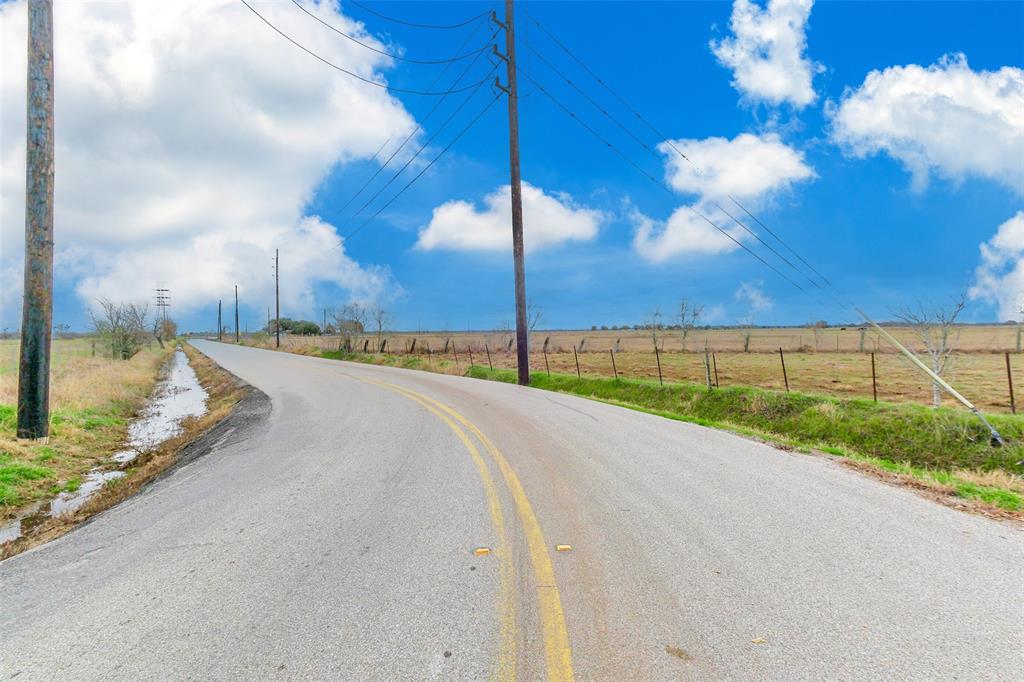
x,y
714,362
430,358
707,367
785,378
446,342
615,370
577,358
413,349
1009,380
470,350
874,382
456,354
657,356
489,365
546,367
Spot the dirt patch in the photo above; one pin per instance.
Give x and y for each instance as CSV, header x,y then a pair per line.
x,y
232,406
933,490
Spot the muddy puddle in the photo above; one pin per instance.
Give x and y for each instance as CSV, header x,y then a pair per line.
x,y
178,397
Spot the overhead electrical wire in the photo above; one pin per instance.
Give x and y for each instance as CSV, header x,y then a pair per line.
x,y
414,24
424,169
331,64
409,161
657,182
671,145
421,122
392,55
655,154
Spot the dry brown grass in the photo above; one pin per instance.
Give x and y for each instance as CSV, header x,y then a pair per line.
x,y
92,400
224,393
996,478
978,371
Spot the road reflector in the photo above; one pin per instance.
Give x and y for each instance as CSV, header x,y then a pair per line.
x,y
563,548
482,551
758,640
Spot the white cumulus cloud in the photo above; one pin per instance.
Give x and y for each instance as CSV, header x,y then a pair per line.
x,y
999,278
548,220
189,137
748,167
945,119
766,52
752,296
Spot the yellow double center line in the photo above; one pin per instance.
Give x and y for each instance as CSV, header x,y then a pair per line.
x,y
557,654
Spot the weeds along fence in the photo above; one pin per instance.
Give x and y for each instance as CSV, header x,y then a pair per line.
x,y
981,369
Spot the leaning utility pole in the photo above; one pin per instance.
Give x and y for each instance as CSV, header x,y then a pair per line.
x,y
237,337
220,326
522,338
277,298
37,307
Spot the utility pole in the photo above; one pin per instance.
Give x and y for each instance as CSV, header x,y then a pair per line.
x,y
37,306
237,336
220,326
277,298
163,301
522,332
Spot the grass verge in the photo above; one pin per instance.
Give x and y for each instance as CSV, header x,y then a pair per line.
x,y
945,453
224,392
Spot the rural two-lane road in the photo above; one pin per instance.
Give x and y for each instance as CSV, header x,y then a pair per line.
x,y
334,538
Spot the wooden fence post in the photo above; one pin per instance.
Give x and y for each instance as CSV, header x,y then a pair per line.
x,y
657,356
413,348
707,367
489,365
1009,380
714,362
430,358
785,378
456,354
615,370
874,381
577,358
469,349
546,367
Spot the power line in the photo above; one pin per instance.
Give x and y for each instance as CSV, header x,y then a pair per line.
x,y
656,181
672,146
423,146
655,154
414,24
424,169
419,124
385,52
331,64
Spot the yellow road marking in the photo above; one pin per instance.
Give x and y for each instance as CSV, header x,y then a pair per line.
x,y
482,551
506,663
557,653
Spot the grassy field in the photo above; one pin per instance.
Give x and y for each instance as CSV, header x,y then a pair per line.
x,y
91,400
978,369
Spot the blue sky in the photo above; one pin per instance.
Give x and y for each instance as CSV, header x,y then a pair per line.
x,y
881,237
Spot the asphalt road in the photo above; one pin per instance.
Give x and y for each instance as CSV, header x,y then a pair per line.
x,y
335,539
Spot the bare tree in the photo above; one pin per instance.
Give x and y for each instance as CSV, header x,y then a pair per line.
x,y
164,328
747,330
350,323
689,314
652,323
381,319
534,314
122,326
936,328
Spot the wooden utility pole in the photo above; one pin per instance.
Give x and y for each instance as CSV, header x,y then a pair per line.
x,y
522,332
237,336
37,307
277,298
220,325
